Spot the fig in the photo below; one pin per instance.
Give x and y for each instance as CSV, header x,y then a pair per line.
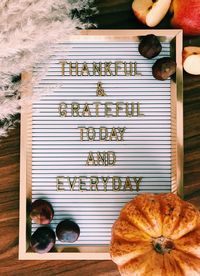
x,y
41,212
150,46
67,231
163,68
43,240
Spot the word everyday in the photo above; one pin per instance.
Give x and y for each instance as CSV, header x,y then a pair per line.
x,y
96,183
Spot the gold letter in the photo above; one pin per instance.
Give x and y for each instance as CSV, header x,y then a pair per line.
x,y
97,108
63,67
101,158
100,91
138,110
94,180
103,134
111,158
127,184
107,69
97,69
71,67
90,160
131,112
82,184
105,181
91,134
86,111
118,107
59,184
126,70
137,181
117,67
136,73
62,109
85,70
118,179
75,109
81,133
72,183
113,135
121,132
107,109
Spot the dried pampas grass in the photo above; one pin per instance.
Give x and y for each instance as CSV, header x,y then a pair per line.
x,y
27,29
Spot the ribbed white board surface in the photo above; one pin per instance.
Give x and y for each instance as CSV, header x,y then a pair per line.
x,y
58,151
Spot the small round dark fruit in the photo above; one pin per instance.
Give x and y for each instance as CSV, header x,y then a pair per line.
x,y
41,212
150,46
67,231
163,68
43,240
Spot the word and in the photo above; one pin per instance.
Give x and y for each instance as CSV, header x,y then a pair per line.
x,y
96,183
105,158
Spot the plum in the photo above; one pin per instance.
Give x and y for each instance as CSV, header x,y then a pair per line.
x,y
43,240
41,212
67,231
163,68
150,46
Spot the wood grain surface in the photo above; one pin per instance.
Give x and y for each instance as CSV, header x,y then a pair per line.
x,y
115,14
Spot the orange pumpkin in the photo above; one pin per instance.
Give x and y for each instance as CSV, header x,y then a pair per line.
x,y
157,235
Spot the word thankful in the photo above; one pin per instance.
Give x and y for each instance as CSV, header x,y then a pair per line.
x,y
102,133
117,68
100,109
96,183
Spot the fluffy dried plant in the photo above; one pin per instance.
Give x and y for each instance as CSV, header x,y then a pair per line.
x,y
27,30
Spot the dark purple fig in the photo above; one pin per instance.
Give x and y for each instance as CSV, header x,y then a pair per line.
x,y
67,231
150,46
43,240
163,68
41,212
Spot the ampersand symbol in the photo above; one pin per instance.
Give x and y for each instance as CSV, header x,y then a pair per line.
x,y
100,90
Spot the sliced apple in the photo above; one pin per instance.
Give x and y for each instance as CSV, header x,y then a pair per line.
x,y
150,12
191,60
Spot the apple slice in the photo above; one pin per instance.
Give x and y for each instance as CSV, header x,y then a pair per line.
x,y
150,12
191,60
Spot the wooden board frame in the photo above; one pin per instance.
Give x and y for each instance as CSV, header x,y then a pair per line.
x,y
100,252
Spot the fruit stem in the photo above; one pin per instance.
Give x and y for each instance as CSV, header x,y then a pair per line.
x,y
163,245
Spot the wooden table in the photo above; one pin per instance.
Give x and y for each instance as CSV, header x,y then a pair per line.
x,y
113,14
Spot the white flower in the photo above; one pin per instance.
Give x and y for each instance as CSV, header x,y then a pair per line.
x,y
27,29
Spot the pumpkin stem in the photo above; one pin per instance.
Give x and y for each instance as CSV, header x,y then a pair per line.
x,y
163,245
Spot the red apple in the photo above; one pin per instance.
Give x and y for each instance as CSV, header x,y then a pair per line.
x,y
150,12
186,16
191,60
